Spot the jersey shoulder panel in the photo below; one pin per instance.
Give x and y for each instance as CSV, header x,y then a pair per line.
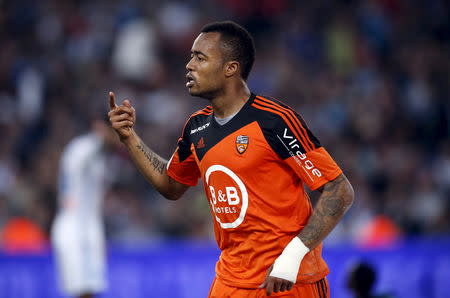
x,y
283,126
196,122
196,119
205,111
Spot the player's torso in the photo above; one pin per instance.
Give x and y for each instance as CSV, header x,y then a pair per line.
x,y
248,186
227,162
258,203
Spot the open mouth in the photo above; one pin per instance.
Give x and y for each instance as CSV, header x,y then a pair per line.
x,y
189,81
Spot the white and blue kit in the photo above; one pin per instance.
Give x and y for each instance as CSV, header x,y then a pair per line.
x,y
77,233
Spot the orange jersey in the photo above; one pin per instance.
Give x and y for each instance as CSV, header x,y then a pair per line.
x,y
254,169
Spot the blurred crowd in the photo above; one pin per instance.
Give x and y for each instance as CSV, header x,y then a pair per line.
x,y
371,79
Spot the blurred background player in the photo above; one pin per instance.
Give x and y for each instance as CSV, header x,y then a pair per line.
x,y
77,232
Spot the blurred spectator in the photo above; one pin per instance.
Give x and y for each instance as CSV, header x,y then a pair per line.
x,y
21,235
380,231
361,280
134,55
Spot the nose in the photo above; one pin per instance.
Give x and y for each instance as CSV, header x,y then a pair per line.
x,y
189,65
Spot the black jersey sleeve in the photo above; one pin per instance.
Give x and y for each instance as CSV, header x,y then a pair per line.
x,y
289,136
182,166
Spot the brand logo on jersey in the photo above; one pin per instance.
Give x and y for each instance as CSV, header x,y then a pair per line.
x,y
241,143
201,143
301,158
200,128
227,195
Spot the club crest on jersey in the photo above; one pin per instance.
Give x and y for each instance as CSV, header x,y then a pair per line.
x,y
241,143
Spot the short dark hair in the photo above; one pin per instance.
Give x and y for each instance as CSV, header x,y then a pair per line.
x,y
237,42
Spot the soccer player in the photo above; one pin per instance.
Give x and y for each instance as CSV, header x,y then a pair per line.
x,y
254,154
77,232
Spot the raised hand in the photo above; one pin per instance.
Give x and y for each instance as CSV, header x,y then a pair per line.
x,y
122,118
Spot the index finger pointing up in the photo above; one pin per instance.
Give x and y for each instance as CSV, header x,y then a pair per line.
x,y
112,100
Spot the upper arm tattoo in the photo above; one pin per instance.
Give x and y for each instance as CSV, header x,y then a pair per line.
x,y
157,162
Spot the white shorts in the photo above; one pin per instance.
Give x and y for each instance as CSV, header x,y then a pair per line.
x,y
79,248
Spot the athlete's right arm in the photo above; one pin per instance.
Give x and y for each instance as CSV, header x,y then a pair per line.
x,y
152,166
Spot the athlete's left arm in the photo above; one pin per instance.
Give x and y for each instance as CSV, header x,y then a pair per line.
x,y
336,198
294,143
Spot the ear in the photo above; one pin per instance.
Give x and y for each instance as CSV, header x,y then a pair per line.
x,y
231,68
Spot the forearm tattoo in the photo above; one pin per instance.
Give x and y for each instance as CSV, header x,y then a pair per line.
x,y
336,198
157,162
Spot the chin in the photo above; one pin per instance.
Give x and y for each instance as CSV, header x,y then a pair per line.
x,y
192,92
197,93
203,94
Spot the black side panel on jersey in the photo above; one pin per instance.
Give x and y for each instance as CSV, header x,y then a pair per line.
x,y
183,148
272,134
310,135
193,124
283,128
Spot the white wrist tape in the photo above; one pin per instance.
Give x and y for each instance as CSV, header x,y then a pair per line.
x,y
286,266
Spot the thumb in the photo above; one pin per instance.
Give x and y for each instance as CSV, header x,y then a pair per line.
x,y
264,284
127,103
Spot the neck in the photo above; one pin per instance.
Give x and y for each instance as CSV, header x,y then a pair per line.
x,y
230,101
